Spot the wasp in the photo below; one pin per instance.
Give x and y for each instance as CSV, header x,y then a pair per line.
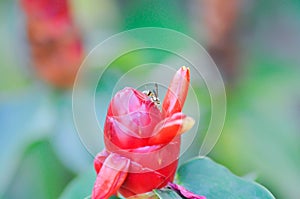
x,y
153,95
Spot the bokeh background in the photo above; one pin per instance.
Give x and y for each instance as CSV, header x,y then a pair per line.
x,y
256,45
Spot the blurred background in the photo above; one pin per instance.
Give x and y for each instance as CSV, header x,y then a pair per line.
x,y
255,44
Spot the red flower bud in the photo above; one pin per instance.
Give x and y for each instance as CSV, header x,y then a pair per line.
x,y
144,136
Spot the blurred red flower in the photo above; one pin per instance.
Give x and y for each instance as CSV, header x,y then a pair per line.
x,y
55,43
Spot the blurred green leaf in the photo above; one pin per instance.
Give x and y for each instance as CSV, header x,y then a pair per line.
x,y
154,13
40,175
81,186
205,177
261,133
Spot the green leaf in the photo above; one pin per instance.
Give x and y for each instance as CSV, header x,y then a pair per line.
x,y
167,194
205,177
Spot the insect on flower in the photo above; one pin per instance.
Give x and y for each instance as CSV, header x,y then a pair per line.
x,y
153,95
142,142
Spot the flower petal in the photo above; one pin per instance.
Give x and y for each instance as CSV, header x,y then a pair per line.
x,y
111,176
116,135
147,179
99,159
184,192
177,92
170,127
140,123
126,101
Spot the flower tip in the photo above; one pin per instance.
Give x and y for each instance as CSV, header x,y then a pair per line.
x,y
177,92
185,68
185,72
187,124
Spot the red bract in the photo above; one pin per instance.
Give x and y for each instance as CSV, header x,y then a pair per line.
x,y
56,46
142,142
